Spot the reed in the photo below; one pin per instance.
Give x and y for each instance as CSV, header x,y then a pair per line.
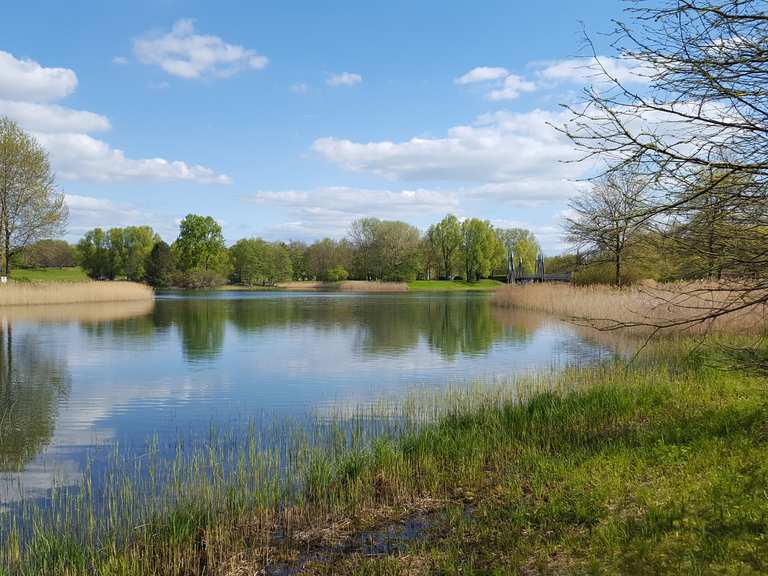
x,y
608,307
653,464
26,294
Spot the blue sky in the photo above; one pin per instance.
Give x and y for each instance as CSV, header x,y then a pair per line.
x,y
290,119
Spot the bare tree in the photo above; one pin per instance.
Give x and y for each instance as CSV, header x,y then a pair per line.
x,y
698,121
608,219
30,206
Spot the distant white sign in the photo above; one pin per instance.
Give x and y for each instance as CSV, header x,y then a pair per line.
x,y
3,279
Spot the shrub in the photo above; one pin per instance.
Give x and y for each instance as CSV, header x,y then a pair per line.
x,y
337,274
198,279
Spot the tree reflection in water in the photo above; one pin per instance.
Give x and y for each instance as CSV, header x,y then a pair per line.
x,y
32,384
383,325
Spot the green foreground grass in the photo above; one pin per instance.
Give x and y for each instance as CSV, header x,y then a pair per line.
x,y
453,285
75,274
656,468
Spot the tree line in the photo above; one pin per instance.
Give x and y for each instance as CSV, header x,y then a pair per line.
x,y
373,249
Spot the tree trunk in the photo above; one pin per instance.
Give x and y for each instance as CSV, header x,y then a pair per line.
x,y
7,252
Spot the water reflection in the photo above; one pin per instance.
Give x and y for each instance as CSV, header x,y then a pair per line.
x,y
382,325
75,377
32,383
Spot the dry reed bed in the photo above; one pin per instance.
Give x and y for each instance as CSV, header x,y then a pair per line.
x,y
18,294
677,306
347,286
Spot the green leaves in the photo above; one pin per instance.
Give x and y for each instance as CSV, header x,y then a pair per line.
x,y
200,245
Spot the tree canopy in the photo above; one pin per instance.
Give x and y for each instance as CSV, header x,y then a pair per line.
x,y
31,208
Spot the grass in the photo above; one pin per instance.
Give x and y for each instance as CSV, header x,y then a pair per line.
x,y
658,467
608,307
24,294
74,274
453,285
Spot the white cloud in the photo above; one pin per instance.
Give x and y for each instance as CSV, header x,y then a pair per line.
x,y
344,79
482,74
82,157
183,53
530,192
120,60
581,70
499,147
512,88
64,132
27,80
329,211
88,212
52,118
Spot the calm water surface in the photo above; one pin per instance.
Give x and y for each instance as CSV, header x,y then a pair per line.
x,y
76,379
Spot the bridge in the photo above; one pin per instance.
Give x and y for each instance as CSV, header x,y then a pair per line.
x,y
516,273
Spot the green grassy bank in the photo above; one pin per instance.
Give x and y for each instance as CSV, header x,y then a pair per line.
x,y
75,274
656,468
453,285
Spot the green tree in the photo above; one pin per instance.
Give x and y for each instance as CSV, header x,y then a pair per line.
x,y
49,254
94,254
445,237
324,255
255,261
200,245
30,206
138,242
480,248
297,251
160,265
385,249
522,244
609,219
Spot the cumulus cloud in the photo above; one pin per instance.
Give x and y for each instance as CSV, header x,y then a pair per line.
x,y
482,74
512,88
25,89
505,85
181,52
52,118
88,212
531,192
330,210
82,157
496,148
29,81
120,60
579,70
344,79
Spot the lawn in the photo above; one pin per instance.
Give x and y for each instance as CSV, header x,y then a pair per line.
x,y
453,285
74,274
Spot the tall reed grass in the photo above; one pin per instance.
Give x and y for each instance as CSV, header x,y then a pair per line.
x,y
637,307
26,294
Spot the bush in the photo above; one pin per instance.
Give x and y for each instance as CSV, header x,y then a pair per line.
x,y
337,274
198,279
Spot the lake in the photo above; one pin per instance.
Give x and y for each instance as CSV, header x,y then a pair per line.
x,y
75,380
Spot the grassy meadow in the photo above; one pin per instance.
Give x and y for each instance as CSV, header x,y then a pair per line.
x,y
655,467
74,274
453,285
